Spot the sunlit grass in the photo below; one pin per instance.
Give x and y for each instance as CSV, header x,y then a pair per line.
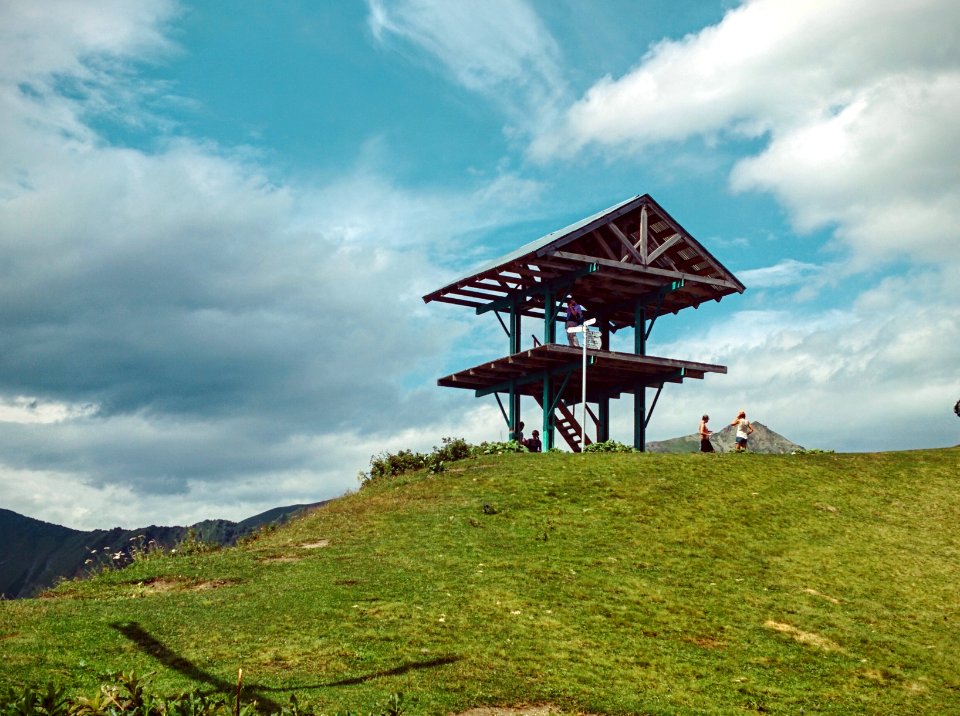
x,y
602,583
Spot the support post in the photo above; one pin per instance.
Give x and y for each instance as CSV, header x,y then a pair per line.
x,y
604,331
640,391
549,318
515,316
514,401
603,414
547,430
640,418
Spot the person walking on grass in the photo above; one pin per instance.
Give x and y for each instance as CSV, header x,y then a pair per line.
x,y
744,429
705,433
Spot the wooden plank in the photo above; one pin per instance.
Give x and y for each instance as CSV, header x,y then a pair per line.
x,y
458,301
626,242
644,228
662,248
603,245
719,283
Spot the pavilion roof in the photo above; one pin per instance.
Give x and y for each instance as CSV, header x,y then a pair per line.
x,y
633,250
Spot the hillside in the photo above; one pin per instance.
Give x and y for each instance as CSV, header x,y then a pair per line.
x,y
763,441
595,584
37,554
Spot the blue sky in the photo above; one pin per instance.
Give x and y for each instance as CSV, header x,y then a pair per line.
x,y
218,219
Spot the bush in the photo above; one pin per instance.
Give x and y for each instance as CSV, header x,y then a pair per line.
x,y
486,448
387,465
609,446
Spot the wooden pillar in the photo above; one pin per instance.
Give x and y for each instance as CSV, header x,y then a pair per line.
x,y
514,398
640,390
603,413
549,318
546,430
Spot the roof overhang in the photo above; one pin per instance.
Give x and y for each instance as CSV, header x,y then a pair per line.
x,y
631,253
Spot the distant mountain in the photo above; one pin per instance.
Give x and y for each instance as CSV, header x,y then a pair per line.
x,y
763,440
37,554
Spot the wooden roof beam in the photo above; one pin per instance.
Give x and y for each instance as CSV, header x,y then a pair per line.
x,y
631,249
719,283
522,294
661,249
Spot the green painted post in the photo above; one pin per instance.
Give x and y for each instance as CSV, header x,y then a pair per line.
x,y
515,316
549,318
547,430
640,391
603,413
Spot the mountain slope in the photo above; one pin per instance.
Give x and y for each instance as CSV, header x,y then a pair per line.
x,y
763,440
596,583
37,554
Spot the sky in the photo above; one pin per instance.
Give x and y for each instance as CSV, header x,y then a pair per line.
x,y
218,220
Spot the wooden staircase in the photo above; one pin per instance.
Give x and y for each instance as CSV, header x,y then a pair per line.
x,y
564,421
567,425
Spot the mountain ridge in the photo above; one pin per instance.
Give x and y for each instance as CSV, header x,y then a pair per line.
x,y
38,554
763,440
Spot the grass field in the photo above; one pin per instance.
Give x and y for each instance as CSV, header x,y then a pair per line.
x,y
595,584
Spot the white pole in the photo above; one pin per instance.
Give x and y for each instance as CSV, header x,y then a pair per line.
x,y
583,396
583,391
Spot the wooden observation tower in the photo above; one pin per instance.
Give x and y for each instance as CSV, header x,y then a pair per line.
x,y
627,265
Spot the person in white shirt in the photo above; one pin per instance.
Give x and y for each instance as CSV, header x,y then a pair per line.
x,y
744,429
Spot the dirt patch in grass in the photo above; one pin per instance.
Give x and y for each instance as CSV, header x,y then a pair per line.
x,y
506,711
316,545
706,642
814,592
804,637
170,584
278,559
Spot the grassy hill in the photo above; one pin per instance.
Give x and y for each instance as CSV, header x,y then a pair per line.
x,y
595,583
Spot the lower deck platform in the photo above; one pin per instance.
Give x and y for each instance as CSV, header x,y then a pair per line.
x,y
609,373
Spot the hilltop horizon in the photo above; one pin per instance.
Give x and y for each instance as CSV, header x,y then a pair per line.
x,y
688,584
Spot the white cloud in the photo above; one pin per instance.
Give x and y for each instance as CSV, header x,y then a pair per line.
x,y
498,48
857,102
878,375
788,272
246,341
28,410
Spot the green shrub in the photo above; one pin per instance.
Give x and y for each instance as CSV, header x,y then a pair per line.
x,y
486,448
387,465
609,446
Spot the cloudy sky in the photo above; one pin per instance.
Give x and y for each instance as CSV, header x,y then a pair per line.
x,y
217,220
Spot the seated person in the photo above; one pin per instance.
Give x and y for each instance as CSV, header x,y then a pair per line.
x,y
533,444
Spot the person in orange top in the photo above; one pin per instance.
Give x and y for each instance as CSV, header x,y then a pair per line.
x,y
705,433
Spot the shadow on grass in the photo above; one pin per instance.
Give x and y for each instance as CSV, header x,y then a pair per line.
x,y
161,652
403,669
149,644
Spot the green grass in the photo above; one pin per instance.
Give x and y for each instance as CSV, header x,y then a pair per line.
x,y
601,583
